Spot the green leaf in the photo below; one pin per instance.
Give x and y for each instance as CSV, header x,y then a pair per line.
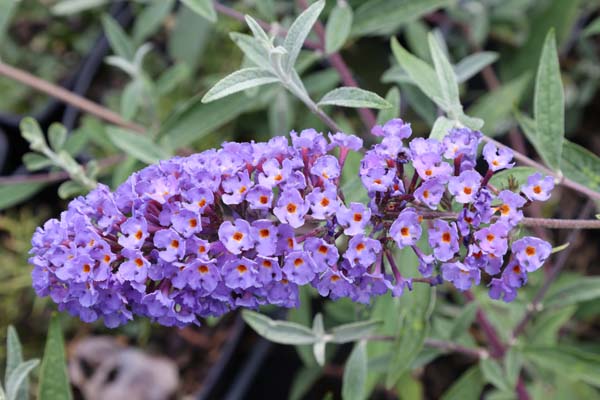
x,y
472,64
420,72
150,19
7,10
467,387
253,49
386,114
189,25
441,127
57,136
581,165
281,114
355,373
354,331
303,381
16,383
568,362
377,16
338,27
256,29
137,145
582,289
446,78
14,357
593,28
298,32
410,341
194,120
204,8
513,361
2,394
67,7
70,189
31,131
549,106
518,175
353,97
238,81
464,320
120,43
172,78
36,161
282,332
319,346
495,107
12,194
493,373
130,99
54,381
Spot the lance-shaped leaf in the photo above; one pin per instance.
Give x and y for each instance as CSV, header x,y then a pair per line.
x,y
420,72
338,27
441,127
204,8
298,32
353,97
549,106
67,7
472,64
494,374
446,78
572,363
136,145
319,346
467,387
238,81
354,331
581,165
16,383
252,49
54,380
582,289
120,43
355,373
14,357
282,332
392,97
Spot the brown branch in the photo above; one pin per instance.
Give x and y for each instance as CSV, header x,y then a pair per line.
x,y
68,97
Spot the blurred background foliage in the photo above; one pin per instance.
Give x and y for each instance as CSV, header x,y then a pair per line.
x,y
169,54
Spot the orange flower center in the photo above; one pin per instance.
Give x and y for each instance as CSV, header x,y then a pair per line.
x,y
242,268
357,217
87,268
237,236
298,262
193,223
267,264
175,244
264,233
323,249
334,278
446,237
324,202
404,231
537,189
291,208
425,194
517,269
360,247
263,199
139,262
530,250
467,190
139,234
203,269
490,237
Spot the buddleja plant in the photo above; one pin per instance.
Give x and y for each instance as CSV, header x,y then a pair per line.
x,y
252,224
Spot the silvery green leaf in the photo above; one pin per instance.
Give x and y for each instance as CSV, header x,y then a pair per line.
x,y
472,64
354,331
446,78
494,374
124,65
238,81
14,354
319,346
392,97
376,16
130,99
256,29
396,74
180,46
518,175
120,43
472,123
57,136
31,131
463,321
282,332
355,373
281,113
549,105
582,289
136,145
150,19
441,127
2,394
139,55
35,161
66,7
15,193
18,378
467,387
303,382
70,189
54,380
338,27
421,73
252,49
172,77
204,8
353,97
581,165
299,31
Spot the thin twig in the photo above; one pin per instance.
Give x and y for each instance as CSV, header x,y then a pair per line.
x,y
68,97
553,274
